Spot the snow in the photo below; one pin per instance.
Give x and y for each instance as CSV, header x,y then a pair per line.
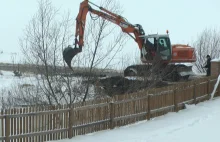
x,y
5,79
10,82
216,60
8,79
196,123
186,64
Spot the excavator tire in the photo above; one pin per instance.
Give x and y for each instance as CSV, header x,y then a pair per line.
x,y
186,77
175,76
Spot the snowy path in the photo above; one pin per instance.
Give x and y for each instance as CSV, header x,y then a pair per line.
x,y
196,123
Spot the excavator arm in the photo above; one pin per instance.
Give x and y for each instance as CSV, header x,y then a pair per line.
x,y
126,27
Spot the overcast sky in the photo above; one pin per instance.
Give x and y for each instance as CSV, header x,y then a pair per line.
x,y
184,19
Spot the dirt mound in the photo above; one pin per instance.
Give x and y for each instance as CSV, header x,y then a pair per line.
x,y
119,85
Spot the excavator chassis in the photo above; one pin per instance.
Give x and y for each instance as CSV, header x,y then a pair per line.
x,y
170,72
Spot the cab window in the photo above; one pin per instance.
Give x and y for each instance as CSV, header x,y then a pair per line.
x,y
164,42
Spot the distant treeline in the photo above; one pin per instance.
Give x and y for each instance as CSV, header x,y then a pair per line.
x,y
65,71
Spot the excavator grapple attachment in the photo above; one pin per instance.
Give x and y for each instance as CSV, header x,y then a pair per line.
x,y
69,53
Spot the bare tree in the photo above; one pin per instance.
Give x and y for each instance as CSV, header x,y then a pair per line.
x,y
103,41
208,42
45,37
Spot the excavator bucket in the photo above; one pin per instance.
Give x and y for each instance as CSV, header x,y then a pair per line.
x,y
69,53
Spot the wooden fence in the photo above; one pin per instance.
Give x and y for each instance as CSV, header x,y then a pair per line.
x,y
38,124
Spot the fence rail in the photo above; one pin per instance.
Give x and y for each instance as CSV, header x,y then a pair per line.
x,y
60,122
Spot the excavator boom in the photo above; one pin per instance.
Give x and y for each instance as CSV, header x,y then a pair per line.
x,y
126,27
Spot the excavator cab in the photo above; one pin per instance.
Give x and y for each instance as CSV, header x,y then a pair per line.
x,y
156,46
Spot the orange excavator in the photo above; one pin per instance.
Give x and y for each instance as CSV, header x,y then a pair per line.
x,y
154,48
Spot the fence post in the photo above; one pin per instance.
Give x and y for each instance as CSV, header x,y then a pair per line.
x,y
218,88
112,115
208,89
70,131
175,100
148,107
2,124
194,93
7,127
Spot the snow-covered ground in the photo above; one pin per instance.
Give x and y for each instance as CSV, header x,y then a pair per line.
x,y
11,83
7,79
198,123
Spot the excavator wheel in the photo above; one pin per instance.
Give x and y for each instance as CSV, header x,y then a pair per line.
x,y
186,77
175,76
131,73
